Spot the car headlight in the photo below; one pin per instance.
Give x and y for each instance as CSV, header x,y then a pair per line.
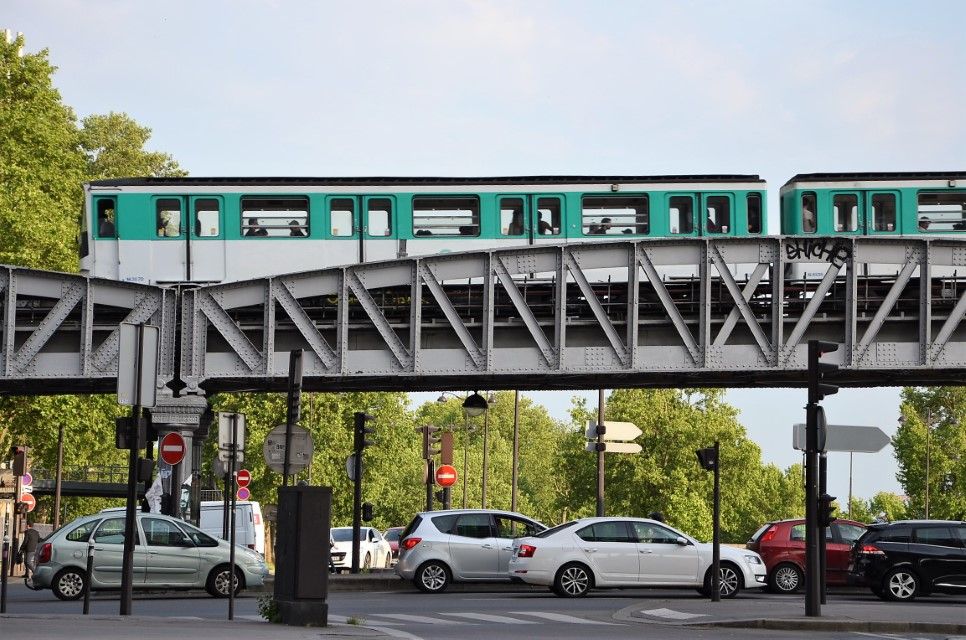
x,y
752,559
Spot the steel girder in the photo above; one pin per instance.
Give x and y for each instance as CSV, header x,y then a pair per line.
x,y
59,332
687,312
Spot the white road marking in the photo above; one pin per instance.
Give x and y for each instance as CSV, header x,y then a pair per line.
x,y
486,617
394,633
672,614
405,617
360,620
558,617
891,636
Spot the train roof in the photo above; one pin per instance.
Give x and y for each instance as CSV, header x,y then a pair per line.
x,y
877,176
414,180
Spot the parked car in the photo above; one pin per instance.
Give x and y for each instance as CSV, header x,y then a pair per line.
x,y
589,553
168,553
392,536
910,558
781,544
374,551
460,545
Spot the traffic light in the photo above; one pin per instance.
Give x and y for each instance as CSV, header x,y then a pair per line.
x,y
362,431
817,390
367,512
446,447
440,496
19,455
708,458
430,441
825,518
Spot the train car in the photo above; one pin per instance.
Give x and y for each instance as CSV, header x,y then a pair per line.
x,y
207,230
926,205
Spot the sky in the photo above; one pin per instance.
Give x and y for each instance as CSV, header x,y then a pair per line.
x,y
477,88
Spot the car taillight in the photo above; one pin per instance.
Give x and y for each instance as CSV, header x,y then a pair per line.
x,y
769,535
409,543
526,551
44,554
871,550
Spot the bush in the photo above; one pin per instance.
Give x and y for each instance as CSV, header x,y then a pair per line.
x,y
268,608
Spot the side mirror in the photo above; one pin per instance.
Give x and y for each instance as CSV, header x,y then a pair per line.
x,y
681,540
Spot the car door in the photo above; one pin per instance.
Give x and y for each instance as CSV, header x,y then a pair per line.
x,y
473,547
663,560
172,558
610,548
838,551
940,556
507,528
109,554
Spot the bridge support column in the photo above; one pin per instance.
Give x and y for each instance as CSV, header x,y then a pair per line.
x,y
190,416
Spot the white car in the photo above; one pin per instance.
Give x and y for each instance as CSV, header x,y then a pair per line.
x,y
591,553
374,549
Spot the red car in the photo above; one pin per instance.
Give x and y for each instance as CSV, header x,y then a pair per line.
x,y
392,537
782,546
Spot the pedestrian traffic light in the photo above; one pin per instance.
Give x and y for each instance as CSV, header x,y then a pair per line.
x,y
708,458
362,431
817,370
825,518
19,455
367,511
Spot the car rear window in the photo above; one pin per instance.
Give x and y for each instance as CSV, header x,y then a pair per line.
x,y
896,534
82,532
343,534
546,533
411,526
445,524
941,536
760,532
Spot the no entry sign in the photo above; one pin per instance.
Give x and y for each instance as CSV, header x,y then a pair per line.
x,y
29,500
173,448
243,478
446,475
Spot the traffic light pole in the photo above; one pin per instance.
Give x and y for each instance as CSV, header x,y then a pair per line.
x,y
130,526
822,559
360,431
600,453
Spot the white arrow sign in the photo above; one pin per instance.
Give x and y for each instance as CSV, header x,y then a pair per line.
x,y
845,437
616,447
614,430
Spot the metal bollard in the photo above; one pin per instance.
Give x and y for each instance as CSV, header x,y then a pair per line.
x,y
87,583
3,575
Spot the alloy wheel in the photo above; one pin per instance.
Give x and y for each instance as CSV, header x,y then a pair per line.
x,y
574,581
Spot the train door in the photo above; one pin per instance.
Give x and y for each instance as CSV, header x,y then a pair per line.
x,y
206,242
345,227
719,214
546,221
154,248
379,229
514,226
100,259
682,215
847,216
881,212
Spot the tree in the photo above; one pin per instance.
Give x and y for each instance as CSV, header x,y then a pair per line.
x,y
41,167
893,506
113,145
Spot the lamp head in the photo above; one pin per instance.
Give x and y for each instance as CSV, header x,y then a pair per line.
x,y
475,405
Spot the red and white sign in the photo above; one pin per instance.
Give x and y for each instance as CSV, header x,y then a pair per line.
x,y
243,478
446,475
244,493
173,448
29,500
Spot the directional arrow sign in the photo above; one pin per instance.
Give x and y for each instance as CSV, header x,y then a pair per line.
x,y
614,430
616,447
845,437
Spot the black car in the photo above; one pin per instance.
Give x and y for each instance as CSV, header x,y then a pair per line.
x,y
902,560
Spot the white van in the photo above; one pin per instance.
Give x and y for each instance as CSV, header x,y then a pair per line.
x,y
249,526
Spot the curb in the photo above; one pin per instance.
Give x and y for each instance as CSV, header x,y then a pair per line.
x,y
832,624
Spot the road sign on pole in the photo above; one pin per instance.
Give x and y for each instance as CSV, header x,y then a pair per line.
x,y
845,437
172,448
614,430
616,447
29,500
243,477
244,493
301,450
225,436
132,391
446,475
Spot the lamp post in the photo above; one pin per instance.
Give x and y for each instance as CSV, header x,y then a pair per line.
x,y
476,405
473,405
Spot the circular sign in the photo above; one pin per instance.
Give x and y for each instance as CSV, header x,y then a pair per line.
x,y
26,479
244,493
29,500
243,478
172,448
302,449
446,475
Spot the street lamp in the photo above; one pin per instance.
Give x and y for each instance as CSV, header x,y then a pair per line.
x,y
473,405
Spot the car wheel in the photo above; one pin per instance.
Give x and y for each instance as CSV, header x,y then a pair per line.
x,y
367,561
388,560
786,578
573,580
900,585
432,577
730,581
69,584
219,579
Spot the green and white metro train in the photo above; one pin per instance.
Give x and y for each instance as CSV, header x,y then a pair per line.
x,y
208,230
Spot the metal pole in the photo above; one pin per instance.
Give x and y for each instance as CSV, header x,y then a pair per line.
x,y
716,525
822,490
928,430
16,523
430,475
486,431
600,453
225,505
90,572
130,524
60,470
231,534
466,437
357,507
850,485
813,567
3,575
294,395
516,451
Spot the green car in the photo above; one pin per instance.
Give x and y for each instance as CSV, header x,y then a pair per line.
x,y
168,554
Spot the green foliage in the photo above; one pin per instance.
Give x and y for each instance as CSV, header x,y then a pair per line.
x,y
114,147
889,503
268,608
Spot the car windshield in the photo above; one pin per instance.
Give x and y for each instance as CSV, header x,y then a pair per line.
x,y
393,534
343,534
546,533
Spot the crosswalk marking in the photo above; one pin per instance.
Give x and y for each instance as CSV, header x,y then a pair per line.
x,y
558,617
486,617
672,614
420,619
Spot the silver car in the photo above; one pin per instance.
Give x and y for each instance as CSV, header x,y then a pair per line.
x,y
169,553
460,545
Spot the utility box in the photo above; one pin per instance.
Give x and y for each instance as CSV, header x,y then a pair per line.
x,y
302,555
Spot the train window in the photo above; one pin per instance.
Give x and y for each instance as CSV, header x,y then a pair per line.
x,y
548,216
754,213
207,218
106,218
884,212
808,213
511,216
845,211
942,212
342,212
379,217
276,217
168,218
719,214
682,220
615,215
438,216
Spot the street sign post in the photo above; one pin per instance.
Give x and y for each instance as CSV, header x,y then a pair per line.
x,y
244,493
614,430
225,436
29,500
172,448
446,475
243,478
845,437
616,447
301,450
131,389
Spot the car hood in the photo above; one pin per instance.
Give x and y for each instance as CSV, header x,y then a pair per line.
x,y
727,553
